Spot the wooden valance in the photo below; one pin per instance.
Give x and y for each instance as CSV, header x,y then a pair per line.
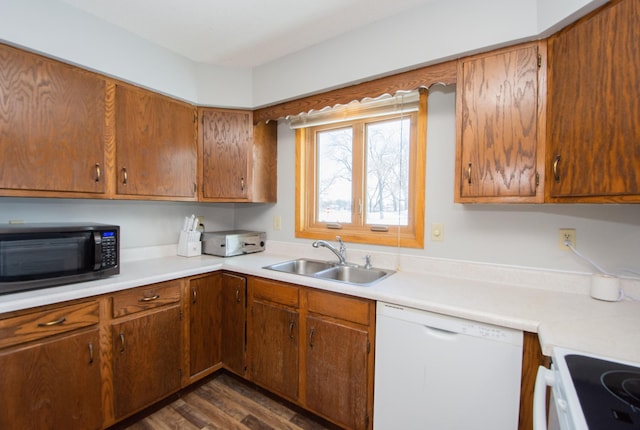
x,y
425,77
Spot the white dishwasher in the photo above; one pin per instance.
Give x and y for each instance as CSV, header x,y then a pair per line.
x,y
436,372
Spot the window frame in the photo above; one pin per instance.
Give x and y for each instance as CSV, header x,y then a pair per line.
x,y
410,236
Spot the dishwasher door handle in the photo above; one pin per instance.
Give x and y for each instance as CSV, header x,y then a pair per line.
x,y
440,332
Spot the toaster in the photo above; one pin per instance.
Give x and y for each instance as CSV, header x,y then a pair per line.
x,y
233,242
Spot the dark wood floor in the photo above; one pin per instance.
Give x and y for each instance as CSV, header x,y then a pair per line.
x,y
228,403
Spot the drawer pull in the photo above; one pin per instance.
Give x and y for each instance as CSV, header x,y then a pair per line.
x,y
311,338
150,299
90,353
556,174
52,323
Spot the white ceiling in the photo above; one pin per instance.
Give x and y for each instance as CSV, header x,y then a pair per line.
x,y
241,33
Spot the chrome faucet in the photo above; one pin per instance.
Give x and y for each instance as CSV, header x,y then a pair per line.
x,y
341,253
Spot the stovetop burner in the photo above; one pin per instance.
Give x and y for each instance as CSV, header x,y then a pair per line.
x,y
608,392
624,385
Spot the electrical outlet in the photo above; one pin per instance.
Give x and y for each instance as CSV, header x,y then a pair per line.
x,y
277,222
566,234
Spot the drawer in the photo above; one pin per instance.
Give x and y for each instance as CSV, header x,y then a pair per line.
x,y
339,306
274,291
38,325
148,297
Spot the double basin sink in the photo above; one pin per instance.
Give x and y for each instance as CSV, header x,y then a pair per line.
x,y
347,273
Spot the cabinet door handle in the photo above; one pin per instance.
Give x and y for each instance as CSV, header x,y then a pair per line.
x,y
242,183
90,353
52,323
291,324
469,174
556,174
125,176
98,172
237,295
149,299
311,332
121,343
194,293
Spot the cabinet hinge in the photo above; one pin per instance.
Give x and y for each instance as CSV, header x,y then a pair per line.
x,y
180,315
539,60
368,347
366,421
195,118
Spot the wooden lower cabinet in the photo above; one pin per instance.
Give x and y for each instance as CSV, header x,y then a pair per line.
x,y
337,372
314,348
55,384
234,318
204,323
147,346
273,330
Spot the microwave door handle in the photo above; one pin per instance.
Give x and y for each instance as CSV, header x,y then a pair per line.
x,y
97,250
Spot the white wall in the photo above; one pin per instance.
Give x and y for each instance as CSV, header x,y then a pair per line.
x,y
58,30
143,223
520,235
439,30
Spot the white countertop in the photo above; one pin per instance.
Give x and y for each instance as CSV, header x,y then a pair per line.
x,y
560,309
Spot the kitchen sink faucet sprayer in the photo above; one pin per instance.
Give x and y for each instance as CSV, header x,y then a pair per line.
x,y
341,254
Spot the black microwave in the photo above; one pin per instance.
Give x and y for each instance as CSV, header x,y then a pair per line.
x,y
38,255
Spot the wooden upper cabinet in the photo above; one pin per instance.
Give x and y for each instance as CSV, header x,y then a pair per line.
x,y
225,138
499,113
593,112
155,145
52,127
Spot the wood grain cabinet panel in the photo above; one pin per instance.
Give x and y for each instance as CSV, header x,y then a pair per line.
x,y
54,384
205,325
500,150
52,127
238,161
146,359
594,108
225,138
234,303
155,145
273,346
337,371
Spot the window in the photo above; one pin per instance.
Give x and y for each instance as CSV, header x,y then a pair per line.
x,y
361,173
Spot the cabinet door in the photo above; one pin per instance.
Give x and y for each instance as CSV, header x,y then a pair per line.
x,y
155,145
273,346
497,121
337,372
52,118
593,126
234,293
146,359
225,138
204,323
52,385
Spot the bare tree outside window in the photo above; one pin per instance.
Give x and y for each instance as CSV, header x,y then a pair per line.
x,y
335,175
387,172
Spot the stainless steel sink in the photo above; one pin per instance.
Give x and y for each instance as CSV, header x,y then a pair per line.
x,y
349,274
353,275
301,266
